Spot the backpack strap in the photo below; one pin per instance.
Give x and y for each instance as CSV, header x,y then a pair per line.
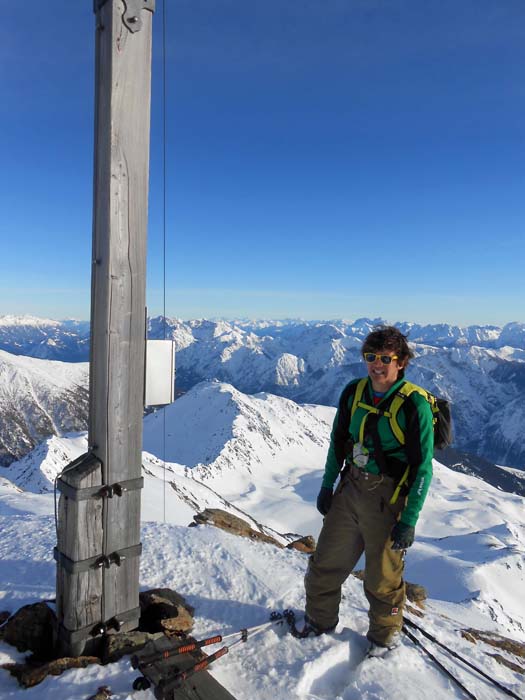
x,y
359,403
358,395
395,405
399,399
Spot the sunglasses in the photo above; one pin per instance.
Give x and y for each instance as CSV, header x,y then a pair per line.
x,y
385,359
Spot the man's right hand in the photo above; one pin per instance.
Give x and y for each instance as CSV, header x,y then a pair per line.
x,y
324,500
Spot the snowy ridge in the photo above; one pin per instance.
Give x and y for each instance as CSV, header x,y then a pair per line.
x,y
36,472
38,398
11,321
248,448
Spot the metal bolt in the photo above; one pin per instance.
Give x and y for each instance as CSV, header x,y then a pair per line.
x,y
133,20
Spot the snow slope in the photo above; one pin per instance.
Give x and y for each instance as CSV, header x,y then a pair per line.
x,y
261,458
38,398
235,582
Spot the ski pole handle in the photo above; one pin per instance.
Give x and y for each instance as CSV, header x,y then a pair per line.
x,y
148,659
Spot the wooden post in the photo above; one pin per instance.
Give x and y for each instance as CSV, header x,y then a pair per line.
x,y
98,544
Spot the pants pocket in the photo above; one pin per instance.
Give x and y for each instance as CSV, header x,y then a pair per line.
x,y
394,509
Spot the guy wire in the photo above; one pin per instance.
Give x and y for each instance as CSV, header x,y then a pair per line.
x,y
164,231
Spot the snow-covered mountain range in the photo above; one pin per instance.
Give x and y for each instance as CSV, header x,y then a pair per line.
x,y
69,340
261,458
44,338
38,398
481,370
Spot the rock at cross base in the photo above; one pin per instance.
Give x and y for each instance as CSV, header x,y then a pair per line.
x,y
163,609
32,628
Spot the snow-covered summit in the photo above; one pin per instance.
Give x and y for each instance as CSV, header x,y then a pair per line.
x,y
33,321
468,554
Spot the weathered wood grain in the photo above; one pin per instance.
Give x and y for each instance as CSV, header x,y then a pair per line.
x,y
79,537
118,296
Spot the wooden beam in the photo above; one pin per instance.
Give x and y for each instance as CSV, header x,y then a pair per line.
x,y
109,592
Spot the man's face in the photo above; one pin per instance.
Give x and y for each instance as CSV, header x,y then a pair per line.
x,y
383,375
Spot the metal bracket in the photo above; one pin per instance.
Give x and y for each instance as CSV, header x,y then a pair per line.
x,y
106,491
132,9
98,562
115,623
132,14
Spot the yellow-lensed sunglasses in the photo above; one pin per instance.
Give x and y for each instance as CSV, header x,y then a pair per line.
x,y
385,359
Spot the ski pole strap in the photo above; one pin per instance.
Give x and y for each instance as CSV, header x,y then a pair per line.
x,y
453,653
438,663
167,685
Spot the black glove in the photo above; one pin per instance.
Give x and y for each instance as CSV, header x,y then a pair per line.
x,y
324,500
402,536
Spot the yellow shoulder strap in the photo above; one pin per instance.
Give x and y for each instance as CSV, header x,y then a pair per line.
x,y
401,395
359,391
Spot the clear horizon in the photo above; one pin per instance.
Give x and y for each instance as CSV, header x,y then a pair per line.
x,y
289,319
337,160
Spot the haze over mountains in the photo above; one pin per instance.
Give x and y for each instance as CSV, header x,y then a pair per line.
x,y
69,340
480,369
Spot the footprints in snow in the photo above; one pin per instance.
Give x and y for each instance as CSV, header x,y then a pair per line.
x,y
327,675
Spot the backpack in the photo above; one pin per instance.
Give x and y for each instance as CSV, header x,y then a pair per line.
x,y
441,419
441,415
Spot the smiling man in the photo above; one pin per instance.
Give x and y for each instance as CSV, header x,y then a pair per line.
x,y
383,441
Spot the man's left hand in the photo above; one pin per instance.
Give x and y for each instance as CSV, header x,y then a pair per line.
x,y
402,536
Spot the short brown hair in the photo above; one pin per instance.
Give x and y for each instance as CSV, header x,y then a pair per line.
x,y
388,338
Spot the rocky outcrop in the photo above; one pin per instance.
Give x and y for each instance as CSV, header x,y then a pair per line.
x,y
163,609
509,646
232,523
237,526
303,544
34,628
32,673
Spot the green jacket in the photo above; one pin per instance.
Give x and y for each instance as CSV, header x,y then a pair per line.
x,y
415,420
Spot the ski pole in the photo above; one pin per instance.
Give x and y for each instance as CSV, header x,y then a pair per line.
x,y
179,678
438,663
149,659
468,663
167,685
146,660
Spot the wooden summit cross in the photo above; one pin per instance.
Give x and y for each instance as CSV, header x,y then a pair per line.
x,y
98,534
98,541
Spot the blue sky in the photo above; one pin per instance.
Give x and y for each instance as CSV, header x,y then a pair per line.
x,y
325,159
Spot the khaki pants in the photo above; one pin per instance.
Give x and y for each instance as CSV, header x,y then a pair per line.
x,y
359,520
